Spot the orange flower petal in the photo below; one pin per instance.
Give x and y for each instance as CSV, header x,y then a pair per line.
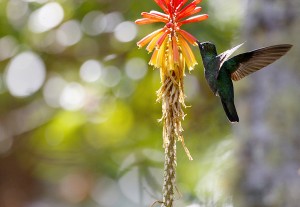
x,y
179,6
148,38
170,45
161,4
167,2
188,55
162,39
176,2
197,18
190,38
161,54
185,14
186,10
155,17
184,1
153,42
159,14
153,58
146,21
196,10
171,10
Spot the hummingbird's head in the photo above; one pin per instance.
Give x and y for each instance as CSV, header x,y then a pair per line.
x,y
207,48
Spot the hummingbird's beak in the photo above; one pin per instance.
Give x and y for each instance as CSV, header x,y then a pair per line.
x,y
199,44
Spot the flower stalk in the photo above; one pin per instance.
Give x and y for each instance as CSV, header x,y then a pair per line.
x,y
171,54
171,96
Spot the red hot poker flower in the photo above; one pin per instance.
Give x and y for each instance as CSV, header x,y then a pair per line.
x,y
171,50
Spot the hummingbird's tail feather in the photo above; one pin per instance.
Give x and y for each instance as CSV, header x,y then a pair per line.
x,y
230,110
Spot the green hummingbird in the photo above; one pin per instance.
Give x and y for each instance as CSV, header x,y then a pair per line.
x,y
219,70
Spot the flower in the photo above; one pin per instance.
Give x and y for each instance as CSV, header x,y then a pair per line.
x,y
171,51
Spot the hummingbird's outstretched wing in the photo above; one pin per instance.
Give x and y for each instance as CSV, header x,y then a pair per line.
x,y
226,54
246,63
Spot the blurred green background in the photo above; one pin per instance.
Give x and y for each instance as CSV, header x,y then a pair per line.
x,y
78,111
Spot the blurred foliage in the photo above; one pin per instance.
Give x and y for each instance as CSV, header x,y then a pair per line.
x,y
90,137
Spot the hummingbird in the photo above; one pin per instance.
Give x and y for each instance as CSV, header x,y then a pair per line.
x,y
219,70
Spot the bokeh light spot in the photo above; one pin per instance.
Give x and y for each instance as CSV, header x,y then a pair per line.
x,y
72,96
111,76
46,17
17,12
90,70
125,31
94,23
136,68
25,74
113,19
69,33
8,47
52,90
